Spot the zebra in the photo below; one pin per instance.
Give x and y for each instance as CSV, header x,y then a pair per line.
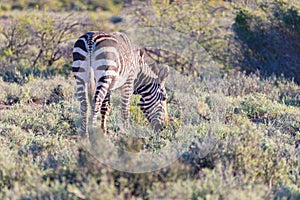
x,y
103,62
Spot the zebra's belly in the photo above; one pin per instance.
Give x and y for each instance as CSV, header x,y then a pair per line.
x,y
121,81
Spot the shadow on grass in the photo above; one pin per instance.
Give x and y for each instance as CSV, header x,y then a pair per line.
x,y
272,45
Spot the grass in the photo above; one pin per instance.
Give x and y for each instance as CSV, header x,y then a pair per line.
x,y
243,144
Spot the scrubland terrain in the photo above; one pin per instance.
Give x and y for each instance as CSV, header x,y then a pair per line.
x,y
242,111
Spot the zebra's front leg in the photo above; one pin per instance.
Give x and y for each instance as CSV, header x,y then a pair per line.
x,y
126,93
105,110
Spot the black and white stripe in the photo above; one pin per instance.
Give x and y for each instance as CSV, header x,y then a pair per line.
x,y
104,62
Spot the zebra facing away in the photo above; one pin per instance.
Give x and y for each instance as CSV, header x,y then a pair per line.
x,y
103,62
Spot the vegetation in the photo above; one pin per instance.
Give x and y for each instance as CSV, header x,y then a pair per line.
x,y
245,118
61,5
257,35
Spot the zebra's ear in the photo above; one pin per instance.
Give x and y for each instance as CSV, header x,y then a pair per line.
x,y
163,74
142,52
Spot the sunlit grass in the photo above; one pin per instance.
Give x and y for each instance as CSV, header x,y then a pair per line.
x,y
245,138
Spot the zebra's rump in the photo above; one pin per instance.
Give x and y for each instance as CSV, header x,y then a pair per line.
x,y
109,55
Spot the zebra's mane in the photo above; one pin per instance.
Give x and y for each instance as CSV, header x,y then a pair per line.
x,y
151,70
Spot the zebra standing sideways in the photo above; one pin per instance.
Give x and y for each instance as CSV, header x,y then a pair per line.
x,y
103,62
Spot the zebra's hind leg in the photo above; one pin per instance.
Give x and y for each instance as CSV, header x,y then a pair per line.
x,y
82,97
101,92
126,93
105,110
84,126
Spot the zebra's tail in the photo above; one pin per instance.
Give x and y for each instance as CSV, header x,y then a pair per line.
x,y
91,84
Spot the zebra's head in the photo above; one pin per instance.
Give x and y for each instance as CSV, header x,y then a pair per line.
x,y
160,115
153,101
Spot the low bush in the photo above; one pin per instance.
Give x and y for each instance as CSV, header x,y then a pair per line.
x,y
245,143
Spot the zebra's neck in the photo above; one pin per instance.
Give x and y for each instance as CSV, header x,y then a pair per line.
x,y
147,90
145,83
